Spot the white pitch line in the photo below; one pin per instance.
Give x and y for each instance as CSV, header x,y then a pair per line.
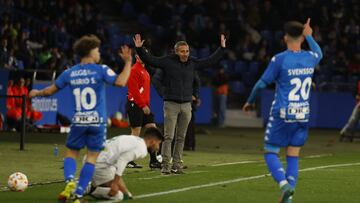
x,y
166,176
229,181
235,163
235,180
317,156
258,161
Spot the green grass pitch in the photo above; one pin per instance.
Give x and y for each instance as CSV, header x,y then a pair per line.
x,y
227,166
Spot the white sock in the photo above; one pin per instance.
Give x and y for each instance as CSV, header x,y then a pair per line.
x,y
103,193
282,183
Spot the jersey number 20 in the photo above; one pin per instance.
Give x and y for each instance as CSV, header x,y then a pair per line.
x,y
303,86
81,98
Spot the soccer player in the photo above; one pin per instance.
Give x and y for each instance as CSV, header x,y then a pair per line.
x,y
109,168
292,71
87,84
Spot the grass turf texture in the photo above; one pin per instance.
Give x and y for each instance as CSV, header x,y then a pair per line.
x,y
330,185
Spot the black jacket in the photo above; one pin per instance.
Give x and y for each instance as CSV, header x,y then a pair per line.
x,y
178,77
158,81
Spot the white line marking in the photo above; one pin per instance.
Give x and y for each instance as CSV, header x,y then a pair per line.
x,y
228,182
317,156
234,163
258,161
234,181
166,176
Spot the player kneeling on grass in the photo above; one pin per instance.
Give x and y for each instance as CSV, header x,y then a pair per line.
x,y
292,71
111,163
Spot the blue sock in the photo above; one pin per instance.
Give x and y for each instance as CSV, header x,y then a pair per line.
x,y
292,169
275,167
86,174
69,168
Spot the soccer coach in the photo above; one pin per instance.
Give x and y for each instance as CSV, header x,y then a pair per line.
x,y
179,70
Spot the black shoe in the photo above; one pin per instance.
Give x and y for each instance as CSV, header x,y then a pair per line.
x,y
132,164
155,165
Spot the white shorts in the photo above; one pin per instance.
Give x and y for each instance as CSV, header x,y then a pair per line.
x,y
103,173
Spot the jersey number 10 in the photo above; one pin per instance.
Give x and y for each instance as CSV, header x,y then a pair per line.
x,y
303,86
81,98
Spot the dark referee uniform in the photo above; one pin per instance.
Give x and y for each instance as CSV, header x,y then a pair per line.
x,y
138,96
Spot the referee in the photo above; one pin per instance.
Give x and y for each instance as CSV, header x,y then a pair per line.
x,y
138,106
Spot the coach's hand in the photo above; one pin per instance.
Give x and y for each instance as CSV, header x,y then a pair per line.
x,y
307,29
223,41
137,40
125,54
248,107
146,110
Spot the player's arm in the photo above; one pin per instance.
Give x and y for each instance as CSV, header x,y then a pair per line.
x,y
147,58
48,91
250,103
215,57
270,74
120,165
60,83
314,47
123,77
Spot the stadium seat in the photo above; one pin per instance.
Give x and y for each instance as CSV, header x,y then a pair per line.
x,y
249,79
241,67
128,9
237,87
228,65
267,34
254,67
204,52
338,79
144,20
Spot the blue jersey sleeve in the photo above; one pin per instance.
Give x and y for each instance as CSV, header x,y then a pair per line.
x,y
315,48
62,80
255,91
109,76
272,71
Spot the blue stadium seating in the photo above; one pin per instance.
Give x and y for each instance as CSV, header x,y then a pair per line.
x,y
241,67
237,87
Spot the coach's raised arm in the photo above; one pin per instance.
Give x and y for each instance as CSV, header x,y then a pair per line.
x,y
182,53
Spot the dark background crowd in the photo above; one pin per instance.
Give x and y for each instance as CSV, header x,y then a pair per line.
x,y
38,35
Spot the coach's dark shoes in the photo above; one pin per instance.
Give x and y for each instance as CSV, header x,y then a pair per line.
x,y
177,171
165,170
155,165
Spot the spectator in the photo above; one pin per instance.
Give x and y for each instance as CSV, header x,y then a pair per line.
x,y
220,81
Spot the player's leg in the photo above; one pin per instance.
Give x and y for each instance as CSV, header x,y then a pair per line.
x,y
87,172
69,173
292,169
349,128
74,143
182,125
171,111
277,135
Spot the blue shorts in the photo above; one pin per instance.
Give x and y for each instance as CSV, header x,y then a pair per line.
x,y
91,136
283,134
